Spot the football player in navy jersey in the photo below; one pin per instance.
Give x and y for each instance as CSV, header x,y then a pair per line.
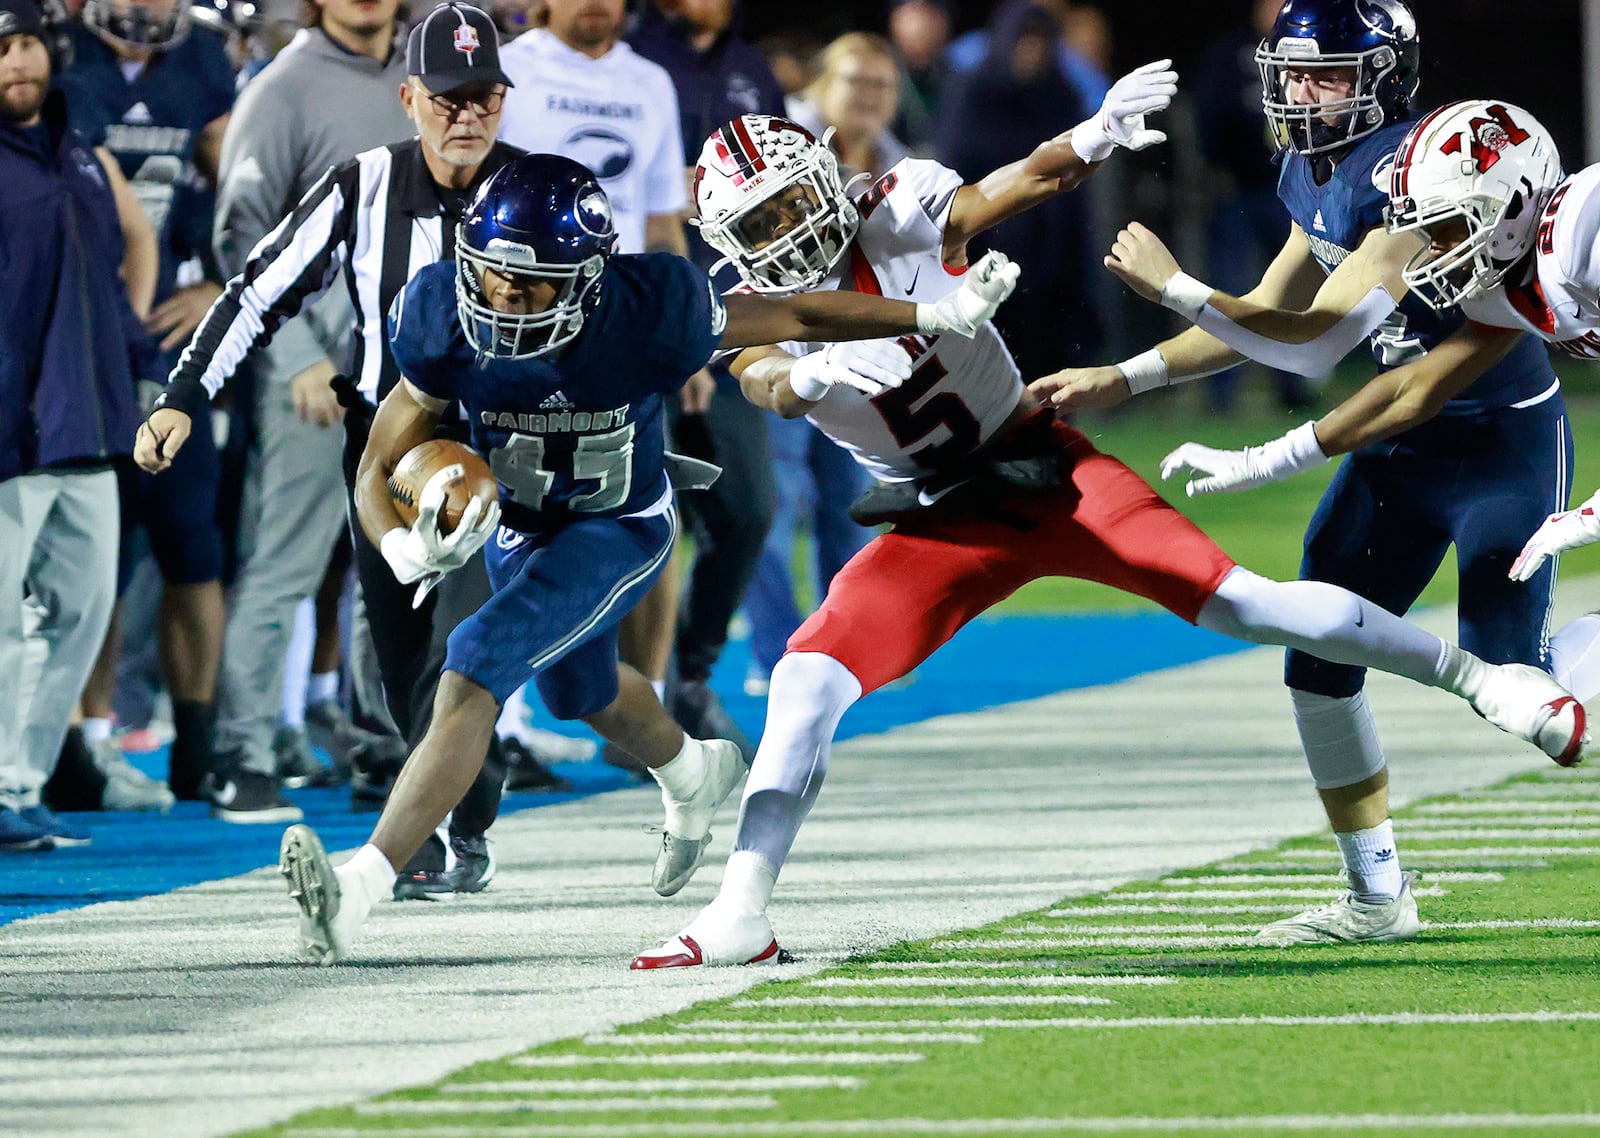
x,y
157,92
559,354
1339,78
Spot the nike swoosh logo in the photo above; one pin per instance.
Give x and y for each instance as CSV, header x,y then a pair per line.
x,y
1361,617
914,276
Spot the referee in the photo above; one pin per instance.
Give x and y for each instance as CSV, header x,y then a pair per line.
x,y
381,217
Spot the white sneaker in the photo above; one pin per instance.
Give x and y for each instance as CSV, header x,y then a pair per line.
x,y
128,787
716,939
1524,701
329,918
1349,921
688,826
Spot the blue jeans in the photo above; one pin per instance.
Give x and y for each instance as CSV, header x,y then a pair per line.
x,y
814,475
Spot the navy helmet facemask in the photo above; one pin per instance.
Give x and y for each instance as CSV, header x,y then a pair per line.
x,y
133,26
540,216
1377,39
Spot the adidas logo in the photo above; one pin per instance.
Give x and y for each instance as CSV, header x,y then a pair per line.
x,y
138,115
1383,855
556,402
1316,223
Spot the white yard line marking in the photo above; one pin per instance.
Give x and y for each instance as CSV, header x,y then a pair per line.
x,y
988,1023
1585,824
1196,910
568,1105
690,1035
1336,878
1146,942
643,1086
1464,833
1333,1123
915,1001
990,965
1244,894
984,981
723,1058
1411,853
1506,806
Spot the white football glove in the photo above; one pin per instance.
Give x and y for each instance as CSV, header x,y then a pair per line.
x,y
870,366
1560,532
1120,119
1248,468
421,553
983,290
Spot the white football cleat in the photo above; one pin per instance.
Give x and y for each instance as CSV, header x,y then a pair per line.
x,y
688,828
329,918
1349,921
1524,701
716,939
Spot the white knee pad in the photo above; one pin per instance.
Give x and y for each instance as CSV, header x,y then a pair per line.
x,y
810,693
1339,737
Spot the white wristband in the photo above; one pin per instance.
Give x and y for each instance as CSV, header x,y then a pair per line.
x,y
1185,295
1091,141
1145,371
1302,450
805,379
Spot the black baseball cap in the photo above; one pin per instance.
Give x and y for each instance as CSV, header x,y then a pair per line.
x,y
21,18
454,45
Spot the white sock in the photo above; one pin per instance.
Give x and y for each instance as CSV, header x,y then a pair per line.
x,y
683,773
1461,673
1372,863
323,688
747,883
1575,657
660,688
96,729
367,874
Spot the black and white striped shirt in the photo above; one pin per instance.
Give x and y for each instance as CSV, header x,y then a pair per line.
x,y
380,217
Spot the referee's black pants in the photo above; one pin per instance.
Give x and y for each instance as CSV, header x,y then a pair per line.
x,y
410,643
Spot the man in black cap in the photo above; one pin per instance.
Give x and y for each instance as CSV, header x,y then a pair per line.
x,y
383,215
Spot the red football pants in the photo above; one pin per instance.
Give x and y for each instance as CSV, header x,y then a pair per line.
x,y
913,588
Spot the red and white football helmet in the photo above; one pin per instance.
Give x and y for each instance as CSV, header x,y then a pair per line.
x,y
756,159
1489,164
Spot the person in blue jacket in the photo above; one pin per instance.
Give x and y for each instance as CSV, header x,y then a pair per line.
x,y
70,352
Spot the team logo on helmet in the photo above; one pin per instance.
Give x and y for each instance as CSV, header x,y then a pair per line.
x,y
1485,138
594,214
1388,17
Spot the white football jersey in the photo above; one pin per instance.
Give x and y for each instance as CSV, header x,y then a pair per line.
x,y
1560,303
618,115
962,390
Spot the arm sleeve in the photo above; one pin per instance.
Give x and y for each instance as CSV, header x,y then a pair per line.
x,y
294,263
689,328
665,191
1314,357
256,187
420,345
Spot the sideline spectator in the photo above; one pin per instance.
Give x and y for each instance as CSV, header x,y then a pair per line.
x,y
67,397
325,98
855,93
920,32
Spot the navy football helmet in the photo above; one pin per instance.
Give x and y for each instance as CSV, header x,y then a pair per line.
x,y
543,216
1378,38
135,26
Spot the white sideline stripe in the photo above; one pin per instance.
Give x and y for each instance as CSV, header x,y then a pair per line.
x,y
723,1058
919,965
1244,894
641,1086
1411,853
915,1001
568,1105
984,981
1335,878
1108,942
1153,910
1131,1124
691,1035
1587,822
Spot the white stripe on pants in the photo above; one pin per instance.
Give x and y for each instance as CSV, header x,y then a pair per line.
x,y
58,548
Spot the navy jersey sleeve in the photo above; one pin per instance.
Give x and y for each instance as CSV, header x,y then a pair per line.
x,y
1367,171
216,82
690,316
425,334
86,114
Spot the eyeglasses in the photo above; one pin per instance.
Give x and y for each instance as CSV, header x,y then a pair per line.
x,y
483,105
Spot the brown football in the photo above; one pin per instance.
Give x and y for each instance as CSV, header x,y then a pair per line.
x,y
467,476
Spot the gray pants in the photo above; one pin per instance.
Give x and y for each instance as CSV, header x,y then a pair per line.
x,y
58,578
293,510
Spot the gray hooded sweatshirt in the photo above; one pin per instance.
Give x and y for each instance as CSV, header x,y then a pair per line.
x,y
314,106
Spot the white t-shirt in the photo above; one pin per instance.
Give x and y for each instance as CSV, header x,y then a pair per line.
x,y
962,391
1561,302
618,115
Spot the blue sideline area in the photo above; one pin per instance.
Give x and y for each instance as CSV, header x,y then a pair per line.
x,y
993,661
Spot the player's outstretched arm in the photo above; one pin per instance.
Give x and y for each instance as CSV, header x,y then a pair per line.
x,y
1348,307
1388,404
1062,163
1291,280
830,316
793,385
